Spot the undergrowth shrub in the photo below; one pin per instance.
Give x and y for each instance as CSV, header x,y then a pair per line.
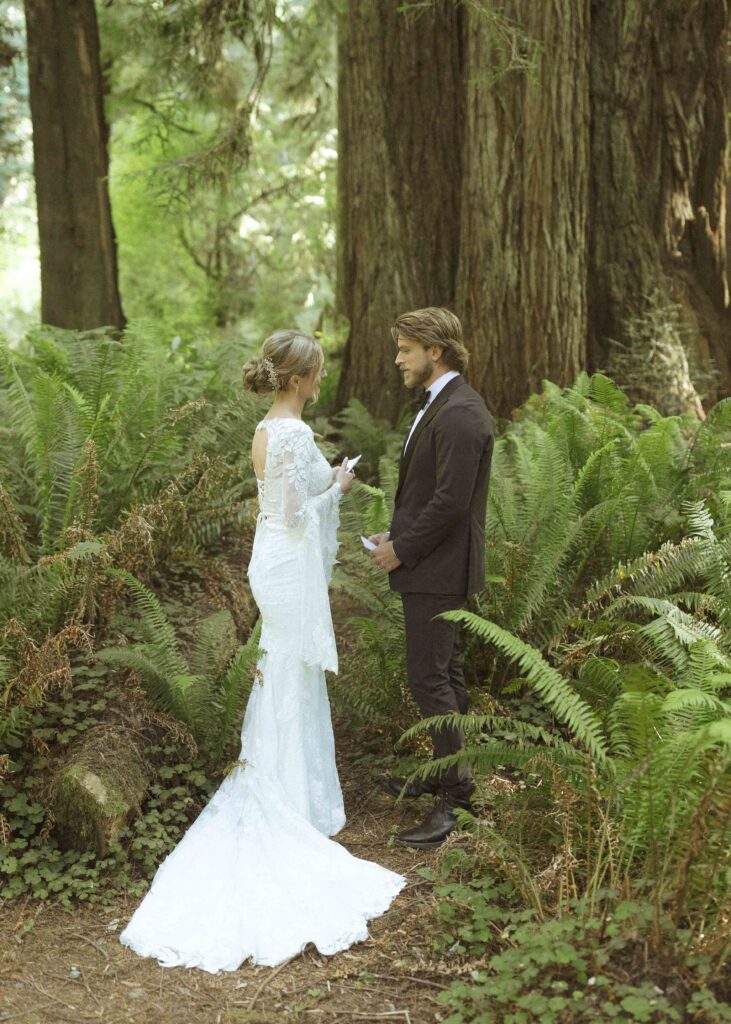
x,y
124,466
604,959
107,462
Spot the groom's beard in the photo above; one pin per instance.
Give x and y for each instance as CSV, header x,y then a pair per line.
x,y
421,377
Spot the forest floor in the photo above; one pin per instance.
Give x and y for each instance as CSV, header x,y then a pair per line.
x,y
392,977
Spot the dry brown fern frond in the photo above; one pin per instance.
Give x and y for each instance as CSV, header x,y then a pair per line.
x,y
231,591
131,543
139,712
12,529
44,666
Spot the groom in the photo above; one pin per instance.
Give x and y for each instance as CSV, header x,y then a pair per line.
x,y
434,550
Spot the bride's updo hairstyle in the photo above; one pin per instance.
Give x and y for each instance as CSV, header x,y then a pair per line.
x,y
285,354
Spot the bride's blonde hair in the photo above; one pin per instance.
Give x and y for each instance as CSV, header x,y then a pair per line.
x,y
285,354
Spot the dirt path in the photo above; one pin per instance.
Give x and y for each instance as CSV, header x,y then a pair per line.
x,y
392,977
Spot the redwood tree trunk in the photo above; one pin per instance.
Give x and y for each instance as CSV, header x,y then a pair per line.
x,y
79,287
400,117
658,153
454,191
522,266
545,211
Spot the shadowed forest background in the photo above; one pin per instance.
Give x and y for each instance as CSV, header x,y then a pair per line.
x,y
182,177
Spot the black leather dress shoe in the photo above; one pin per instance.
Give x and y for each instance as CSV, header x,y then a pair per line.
x,y
433,830
407,790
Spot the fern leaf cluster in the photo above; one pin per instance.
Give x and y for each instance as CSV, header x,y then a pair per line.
x,y
109,459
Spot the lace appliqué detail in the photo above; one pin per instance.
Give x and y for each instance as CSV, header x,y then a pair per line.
x,y
296,455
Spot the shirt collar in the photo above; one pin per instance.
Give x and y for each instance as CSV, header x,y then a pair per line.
x,y
441,382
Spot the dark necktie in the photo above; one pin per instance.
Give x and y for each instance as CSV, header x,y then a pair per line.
x,y
425,399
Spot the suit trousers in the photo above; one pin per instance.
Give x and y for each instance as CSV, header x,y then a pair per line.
x,y
435,675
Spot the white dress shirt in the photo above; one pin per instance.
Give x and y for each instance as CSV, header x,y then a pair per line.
x,y
432,392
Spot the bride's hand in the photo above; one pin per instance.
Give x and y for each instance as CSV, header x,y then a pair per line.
x,y
343,477
379,538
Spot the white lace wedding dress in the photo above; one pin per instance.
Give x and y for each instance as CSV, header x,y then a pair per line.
x,y
255,875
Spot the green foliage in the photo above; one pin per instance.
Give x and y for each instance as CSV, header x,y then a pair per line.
x,y
371,687
575,967
33,865
93,425
379,445
112,458
657,739
581,483
208,692
122,463
223,158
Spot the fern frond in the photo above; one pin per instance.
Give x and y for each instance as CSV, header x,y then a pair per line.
x,y
213,646
233,690
154,620
549,684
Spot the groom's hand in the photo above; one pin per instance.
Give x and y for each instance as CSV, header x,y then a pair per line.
x,y
384,556
378,538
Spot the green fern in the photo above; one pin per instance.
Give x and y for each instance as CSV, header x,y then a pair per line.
x,y
556,691
206,692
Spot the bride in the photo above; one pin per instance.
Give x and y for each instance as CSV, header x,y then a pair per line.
x,y
255,875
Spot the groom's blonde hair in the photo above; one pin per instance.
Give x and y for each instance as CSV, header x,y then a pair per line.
x,y
435,325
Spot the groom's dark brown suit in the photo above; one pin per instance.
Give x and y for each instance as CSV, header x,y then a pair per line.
x,y
438,533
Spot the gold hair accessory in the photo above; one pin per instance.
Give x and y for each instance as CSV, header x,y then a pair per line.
x,y
271,372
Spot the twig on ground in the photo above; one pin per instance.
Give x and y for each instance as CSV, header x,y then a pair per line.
x,y
23,1013
78,935
410,977
50,995
86,986
265,982
380,1016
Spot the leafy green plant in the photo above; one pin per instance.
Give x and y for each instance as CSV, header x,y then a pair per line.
x,y
580,483
207,691
33,865
587,964
112,457
371,688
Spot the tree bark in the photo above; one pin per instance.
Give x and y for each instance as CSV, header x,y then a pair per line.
x,y
522,264
455,191
400,120
658,153
79,288
546,213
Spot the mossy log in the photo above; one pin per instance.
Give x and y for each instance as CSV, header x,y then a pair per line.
x,y
96,793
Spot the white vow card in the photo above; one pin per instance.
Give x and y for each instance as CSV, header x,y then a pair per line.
x,y
367,544
352,463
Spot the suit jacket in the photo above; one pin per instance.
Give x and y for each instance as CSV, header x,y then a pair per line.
x,y
438,525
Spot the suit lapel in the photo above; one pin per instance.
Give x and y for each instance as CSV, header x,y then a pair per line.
x,y
428,416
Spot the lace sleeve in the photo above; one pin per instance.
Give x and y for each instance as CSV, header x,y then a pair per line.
x,y
294,468
295,456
